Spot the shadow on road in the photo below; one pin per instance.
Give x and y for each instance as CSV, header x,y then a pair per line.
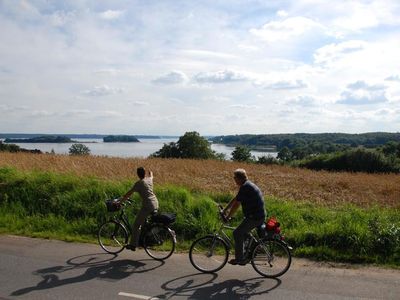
x,y
94,266
203,286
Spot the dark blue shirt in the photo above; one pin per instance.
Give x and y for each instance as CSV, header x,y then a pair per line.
x,y
252,200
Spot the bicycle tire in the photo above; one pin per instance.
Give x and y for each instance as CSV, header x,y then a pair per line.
x,y
271,258
112,237
209,254
159,242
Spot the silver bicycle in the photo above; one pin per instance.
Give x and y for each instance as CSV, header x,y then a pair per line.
x,y
266,250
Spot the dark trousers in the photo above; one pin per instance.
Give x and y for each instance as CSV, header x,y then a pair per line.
x,y
143,213
240,233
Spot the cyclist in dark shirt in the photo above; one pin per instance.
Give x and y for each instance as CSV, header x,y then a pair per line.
x,y
251,199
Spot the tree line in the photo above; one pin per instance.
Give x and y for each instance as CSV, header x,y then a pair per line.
x,y
308,153
279,141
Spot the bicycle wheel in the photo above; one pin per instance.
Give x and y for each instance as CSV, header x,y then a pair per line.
x,y
159,242
209,254
112,237
271,258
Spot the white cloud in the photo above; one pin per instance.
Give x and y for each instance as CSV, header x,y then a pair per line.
x,y
5,108
111,14
61,18
286,85
393,78
330,53
141,103
282,13
283,30
103,90
361,15
302,101
362,85
244,106
217,99
208,54
41,113
220,77
75,113
361,93
108,71
107,114
174,77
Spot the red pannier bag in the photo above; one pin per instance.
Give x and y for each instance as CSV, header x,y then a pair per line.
x,y
272,224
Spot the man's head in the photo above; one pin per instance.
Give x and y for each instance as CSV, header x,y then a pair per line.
x,y
141,172
240,176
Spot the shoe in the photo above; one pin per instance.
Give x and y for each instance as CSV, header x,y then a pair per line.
x,y
237,262
233,262
130,247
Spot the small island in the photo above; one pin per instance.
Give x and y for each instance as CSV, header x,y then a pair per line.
x,y
120,139
42,139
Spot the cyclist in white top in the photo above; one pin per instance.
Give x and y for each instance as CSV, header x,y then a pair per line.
x,y
144,187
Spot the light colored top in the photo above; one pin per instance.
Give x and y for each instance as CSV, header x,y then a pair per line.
x,y
144,188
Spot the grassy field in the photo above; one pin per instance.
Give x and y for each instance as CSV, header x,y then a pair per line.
x,y
322,188
330,216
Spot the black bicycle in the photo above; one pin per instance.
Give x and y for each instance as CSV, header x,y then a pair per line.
x,y
156,237
268,253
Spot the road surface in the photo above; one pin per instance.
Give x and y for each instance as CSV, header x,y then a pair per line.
x,y
48,269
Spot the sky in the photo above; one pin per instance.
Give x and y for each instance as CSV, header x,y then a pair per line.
x,y
215,67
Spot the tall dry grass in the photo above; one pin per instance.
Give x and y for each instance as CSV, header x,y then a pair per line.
x,y
211,176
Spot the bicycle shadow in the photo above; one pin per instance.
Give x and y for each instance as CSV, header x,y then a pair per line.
x,y
94,266
189,287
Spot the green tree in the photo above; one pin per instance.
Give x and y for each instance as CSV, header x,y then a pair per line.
x,y
267,160
190,145
242,153
170,150
79,149
285,154
358,160
9,147
391,148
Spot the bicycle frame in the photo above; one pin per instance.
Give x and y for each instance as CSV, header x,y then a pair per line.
x,y
122,218
253,240
221,234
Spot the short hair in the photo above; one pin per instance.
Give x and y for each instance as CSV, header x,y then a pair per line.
x,y
141,172
240,174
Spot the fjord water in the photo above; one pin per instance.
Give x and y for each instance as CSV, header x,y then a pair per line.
x,y
142,149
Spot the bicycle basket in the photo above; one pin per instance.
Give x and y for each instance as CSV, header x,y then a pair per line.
x,y
164,218
112,205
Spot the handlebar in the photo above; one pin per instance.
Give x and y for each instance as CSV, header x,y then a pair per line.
x,y
125,203
221,214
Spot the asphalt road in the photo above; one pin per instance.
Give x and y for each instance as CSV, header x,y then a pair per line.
x,y
46,269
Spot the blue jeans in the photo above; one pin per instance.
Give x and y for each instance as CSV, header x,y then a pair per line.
x,y
240,233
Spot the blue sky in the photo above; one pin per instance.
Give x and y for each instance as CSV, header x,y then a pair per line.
x,y
216,67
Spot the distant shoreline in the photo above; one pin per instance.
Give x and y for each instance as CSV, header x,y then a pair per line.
x,y
78,136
